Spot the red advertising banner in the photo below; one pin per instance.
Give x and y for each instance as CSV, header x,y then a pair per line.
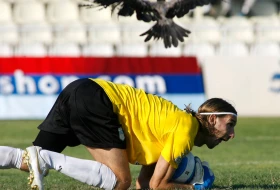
x,y
29,86
114,65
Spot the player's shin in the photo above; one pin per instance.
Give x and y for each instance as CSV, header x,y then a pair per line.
x,y
10,157
87,171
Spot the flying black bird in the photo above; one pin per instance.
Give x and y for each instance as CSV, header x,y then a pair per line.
x,y
160,11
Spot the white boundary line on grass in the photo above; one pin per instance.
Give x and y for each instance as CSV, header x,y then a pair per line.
x,y
247,163
261,138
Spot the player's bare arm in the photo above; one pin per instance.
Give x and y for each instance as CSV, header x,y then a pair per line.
x,y
163,173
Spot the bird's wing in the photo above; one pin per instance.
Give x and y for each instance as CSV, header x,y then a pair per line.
x,y
106,3
181,7
141,5
119,6
113,4
144,9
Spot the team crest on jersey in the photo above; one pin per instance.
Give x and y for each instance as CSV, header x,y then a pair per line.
x,y
121,134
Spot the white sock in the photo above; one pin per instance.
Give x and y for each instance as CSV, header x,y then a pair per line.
x,y
87,171
10,157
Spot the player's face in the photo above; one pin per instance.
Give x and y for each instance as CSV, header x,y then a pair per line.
x,y
223,130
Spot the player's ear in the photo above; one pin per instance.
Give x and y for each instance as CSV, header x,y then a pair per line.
x,y
212,119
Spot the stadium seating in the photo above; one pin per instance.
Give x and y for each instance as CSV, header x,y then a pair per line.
x,y
64,50
6,12
265,49
199,50
108,32
6,50
29,11
8,29
55,23
267,28
31,50
95,15
98,50
132,50
63,11
157,49
9,33
237,28
232,49
74,32
204,30
130,32
39,32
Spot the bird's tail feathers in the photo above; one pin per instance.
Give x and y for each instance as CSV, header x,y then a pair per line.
x,y
170,33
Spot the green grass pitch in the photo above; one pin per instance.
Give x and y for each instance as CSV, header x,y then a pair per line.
x,y
250,161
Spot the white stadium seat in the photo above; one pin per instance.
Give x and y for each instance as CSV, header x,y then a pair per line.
x,y
233,49
6,12
157,49
29,11
31,50
63,11
8,29
204,30
132,50
131,32
6,50
39,32
95,15
108,32
64,50
267,28
199,50
98,50
237,28
9,33
265,49
72,32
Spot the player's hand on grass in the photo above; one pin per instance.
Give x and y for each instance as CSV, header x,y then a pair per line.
x,y
208,178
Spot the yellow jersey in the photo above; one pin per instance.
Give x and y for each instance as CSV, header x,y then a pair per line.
x,y
152,125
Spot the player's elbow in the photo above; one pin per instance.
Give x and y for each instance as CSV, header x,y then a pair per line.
x,y
154,184
123,182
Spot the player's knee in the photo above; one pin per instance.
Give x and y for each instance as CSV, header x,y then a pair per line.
x,y
123,182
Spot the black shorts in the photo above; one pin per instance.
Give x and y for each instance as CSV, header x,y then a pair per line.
x,y
82,114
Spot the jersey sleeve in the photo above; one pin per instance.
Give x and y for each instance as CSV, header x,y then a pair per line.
x,y
179,143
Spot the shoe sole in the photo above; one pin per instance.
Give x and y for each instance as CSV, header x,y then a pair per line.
x,y
32,173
